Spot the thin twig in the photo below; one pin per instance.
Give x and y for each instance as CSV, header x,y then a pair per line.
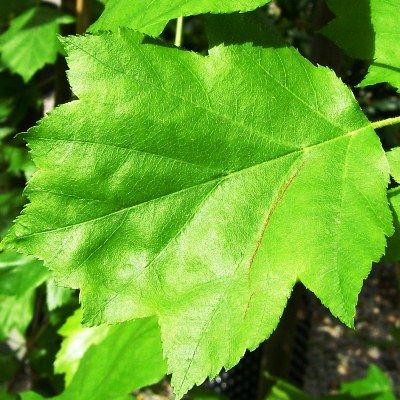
x,y
179,32
82,15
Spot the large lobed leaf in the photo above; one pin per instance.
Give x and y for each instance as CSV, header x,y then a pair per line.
x,y
200,189
369,29
150,17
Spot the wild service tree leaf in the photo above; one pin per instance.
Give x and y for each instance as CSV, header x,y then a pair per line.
x,y
369,29
200,189
134,360
31,41
150,17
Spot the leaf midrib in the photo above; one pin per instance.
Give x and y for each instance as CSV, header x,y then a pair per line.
x,y
217,180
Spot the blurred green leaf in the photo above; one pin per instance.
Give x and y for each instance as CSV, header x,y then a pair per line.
x,y
56,296
19,277
31,42
11,8
375,385
77,339
20,274
134,360
369,29
150,17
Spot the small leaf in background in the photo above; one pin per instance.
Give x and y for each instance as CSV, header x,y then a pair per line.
x,y
352,28
4,395
151,17
56,296
18,160
19,277
285,391
126,358
77,339
11,8
376,385
252,27
31,41
207,397
386,61
369,29
393,246
11,203
393,157
16,100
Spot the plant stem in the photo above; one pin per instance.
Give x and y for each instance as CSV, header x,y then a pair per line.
x,y
82,16
386,122
179,31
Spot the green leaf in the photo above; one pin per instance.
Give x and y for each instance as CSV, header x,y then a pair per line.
x,y
200,189
18,160
375,384
11,203
10,9
393,245
352,29
134,360
207,397
19,277
31,396
285,391
252,27
393,157
77,339
20,274
16,314
369,29
151,17
4,395
56,296
16,99
386,64
31,42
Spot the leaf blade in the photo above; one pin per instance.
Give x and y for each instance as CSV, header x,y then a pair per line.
x,y
183,212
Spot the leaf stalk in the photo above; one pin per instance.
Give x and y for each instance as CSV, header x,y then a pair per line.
x,y
386,122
